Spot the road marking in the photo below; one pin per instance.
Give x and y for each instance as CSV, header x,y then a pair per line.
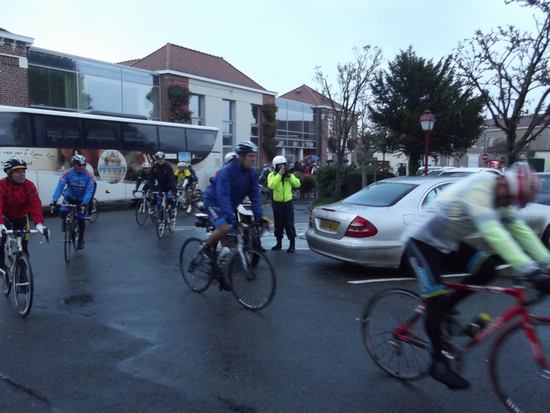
x,y
400,279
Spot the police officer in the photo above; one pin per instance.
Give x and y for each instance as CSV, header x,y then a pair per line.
x,y
282,182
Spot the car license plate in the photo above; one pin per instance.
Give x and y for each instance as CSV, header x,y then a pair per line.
x,y
329,225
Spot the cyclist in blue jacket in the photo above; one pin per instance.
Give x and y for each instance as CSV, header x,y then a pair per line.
x,y
235,181
77,186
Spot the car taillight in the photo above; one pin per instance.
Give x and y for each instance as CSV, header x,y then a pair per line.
x,y
361,228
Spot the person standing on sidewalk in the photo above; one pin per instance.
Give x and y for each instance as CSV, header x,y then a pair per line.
x,y
282,182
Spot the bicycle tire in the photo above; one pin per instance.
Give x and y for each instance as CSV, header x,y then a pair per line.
x,y
246,282
384,312
93,210
172,221
196,278
6,282
160,225
23,285
516,379
141,213
68,245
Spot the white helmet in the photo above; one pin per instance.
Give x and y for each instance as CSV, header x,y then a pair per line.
x,y
229,156
279,159
182,164
146,165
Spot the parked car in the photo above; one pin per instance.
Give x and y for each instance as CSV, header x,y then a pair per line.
x,y
366,228
544,193
463,171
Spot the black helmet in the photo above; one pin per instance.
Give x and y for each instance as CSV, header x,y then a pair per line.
x,y
14,163
245,147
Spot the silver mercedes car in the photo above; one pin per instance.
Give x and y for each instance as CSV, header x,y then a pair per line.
x,y
366,227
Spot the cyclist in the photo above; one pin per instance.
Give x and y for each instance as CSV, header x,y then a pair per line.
x,y
235,181
145,176
487,204
166,182
185,179
77,186
18,200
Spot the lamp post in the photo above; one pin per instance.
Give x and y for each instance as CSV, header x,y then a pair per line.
x,y
427,121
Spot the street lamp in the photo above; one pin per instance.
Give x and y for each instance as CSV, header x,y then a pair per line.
x,y
427,121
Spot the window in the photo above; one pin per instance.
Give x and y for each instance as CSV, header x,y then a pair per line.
x,y
52,88
433,194
227,123
255,123
139,136
196,106
14,129
380,194
100,134
171,138
58,131
200,140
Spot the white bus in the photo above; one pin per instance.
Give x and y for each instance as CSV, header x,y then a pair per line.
x,y
114,146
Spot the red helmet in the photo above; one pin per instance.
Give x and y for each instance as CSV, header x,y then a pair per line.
x,y
523,183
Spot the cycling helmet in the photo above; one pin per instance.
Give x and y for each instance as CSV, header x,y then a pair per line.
x,y
523,183
79,160
160,155
245,147
279,159
14,163
229,156
146,165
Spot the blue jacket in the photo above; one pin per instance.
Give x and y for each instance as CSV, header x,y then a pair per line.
x,y
78,186
230,186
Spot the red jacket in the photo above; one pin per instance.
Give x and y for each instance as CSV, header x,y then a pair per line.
x,y
19,200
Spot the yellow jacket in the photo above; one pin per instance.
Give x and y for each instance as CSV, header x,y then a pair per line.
x,y
282,188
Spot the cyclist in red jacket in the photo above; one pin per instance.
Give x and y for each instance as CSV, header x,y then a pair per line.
x,y
18,200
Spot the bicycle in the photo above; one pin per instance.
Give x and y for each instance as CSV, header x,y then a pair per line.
x,y
70,227
18,272
92,212
247,270
399,346
145,208
165,216
191,191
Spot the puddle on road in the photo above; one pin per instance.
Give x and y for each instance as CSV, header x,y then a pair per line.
x,y
78,299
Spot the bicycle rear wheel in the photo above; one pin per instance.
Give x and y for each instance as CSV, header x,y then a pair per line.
x,y
6,282
141,213
195,271
160,226
93,211
23,286
69,245
252,279
519,382
394,335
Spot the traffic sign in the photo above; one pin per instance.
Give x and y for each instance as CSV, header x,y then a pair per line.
x,y
485,157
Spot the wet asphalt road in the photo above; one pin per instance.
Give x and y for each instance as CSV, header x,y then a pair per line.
x,y
117,330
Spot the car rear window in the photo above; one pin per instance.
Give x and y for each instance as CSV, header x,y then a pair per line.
x,y
457,173
381,194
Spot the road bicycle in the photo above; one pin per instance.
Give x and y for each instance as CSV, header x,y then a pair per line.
x,y
519,364
245,268
70,227
18,272
92,212
165,215
145,208
191,191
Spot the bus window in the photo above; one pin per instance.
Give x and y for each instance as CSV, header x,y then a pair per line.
x,y
100,134
57,132
14,129
200,141
137,136
171,138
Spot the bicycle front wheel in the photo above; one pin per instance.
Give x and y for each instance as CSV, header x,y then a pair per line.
x,y
93,211
23,287
252,279
69,246
195,271
172,219
160,226
393,334
141,213
518,380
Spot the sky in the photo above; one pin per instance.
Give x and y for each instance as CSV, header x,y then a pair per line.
x,y
277,43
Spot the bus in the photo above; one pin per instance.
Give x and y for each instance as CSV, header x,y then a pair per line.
x,y
115,147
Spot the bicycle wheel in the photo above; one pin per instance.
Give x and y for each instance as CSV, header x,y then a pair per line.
x,y
23,287
93,211
402,354
172,214
69,246
252,279
161,222
518,381
141,213
195,272
6,282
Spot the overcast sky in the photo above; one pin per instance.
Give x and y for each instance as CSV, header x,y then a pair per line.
x,y
276,43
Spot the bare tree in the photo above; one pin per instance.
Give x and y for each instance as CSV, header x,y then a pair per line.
x,y
346,101
510,69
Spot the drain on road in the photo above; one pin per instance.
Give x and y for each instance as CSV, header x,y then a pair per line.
x,y
78,299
